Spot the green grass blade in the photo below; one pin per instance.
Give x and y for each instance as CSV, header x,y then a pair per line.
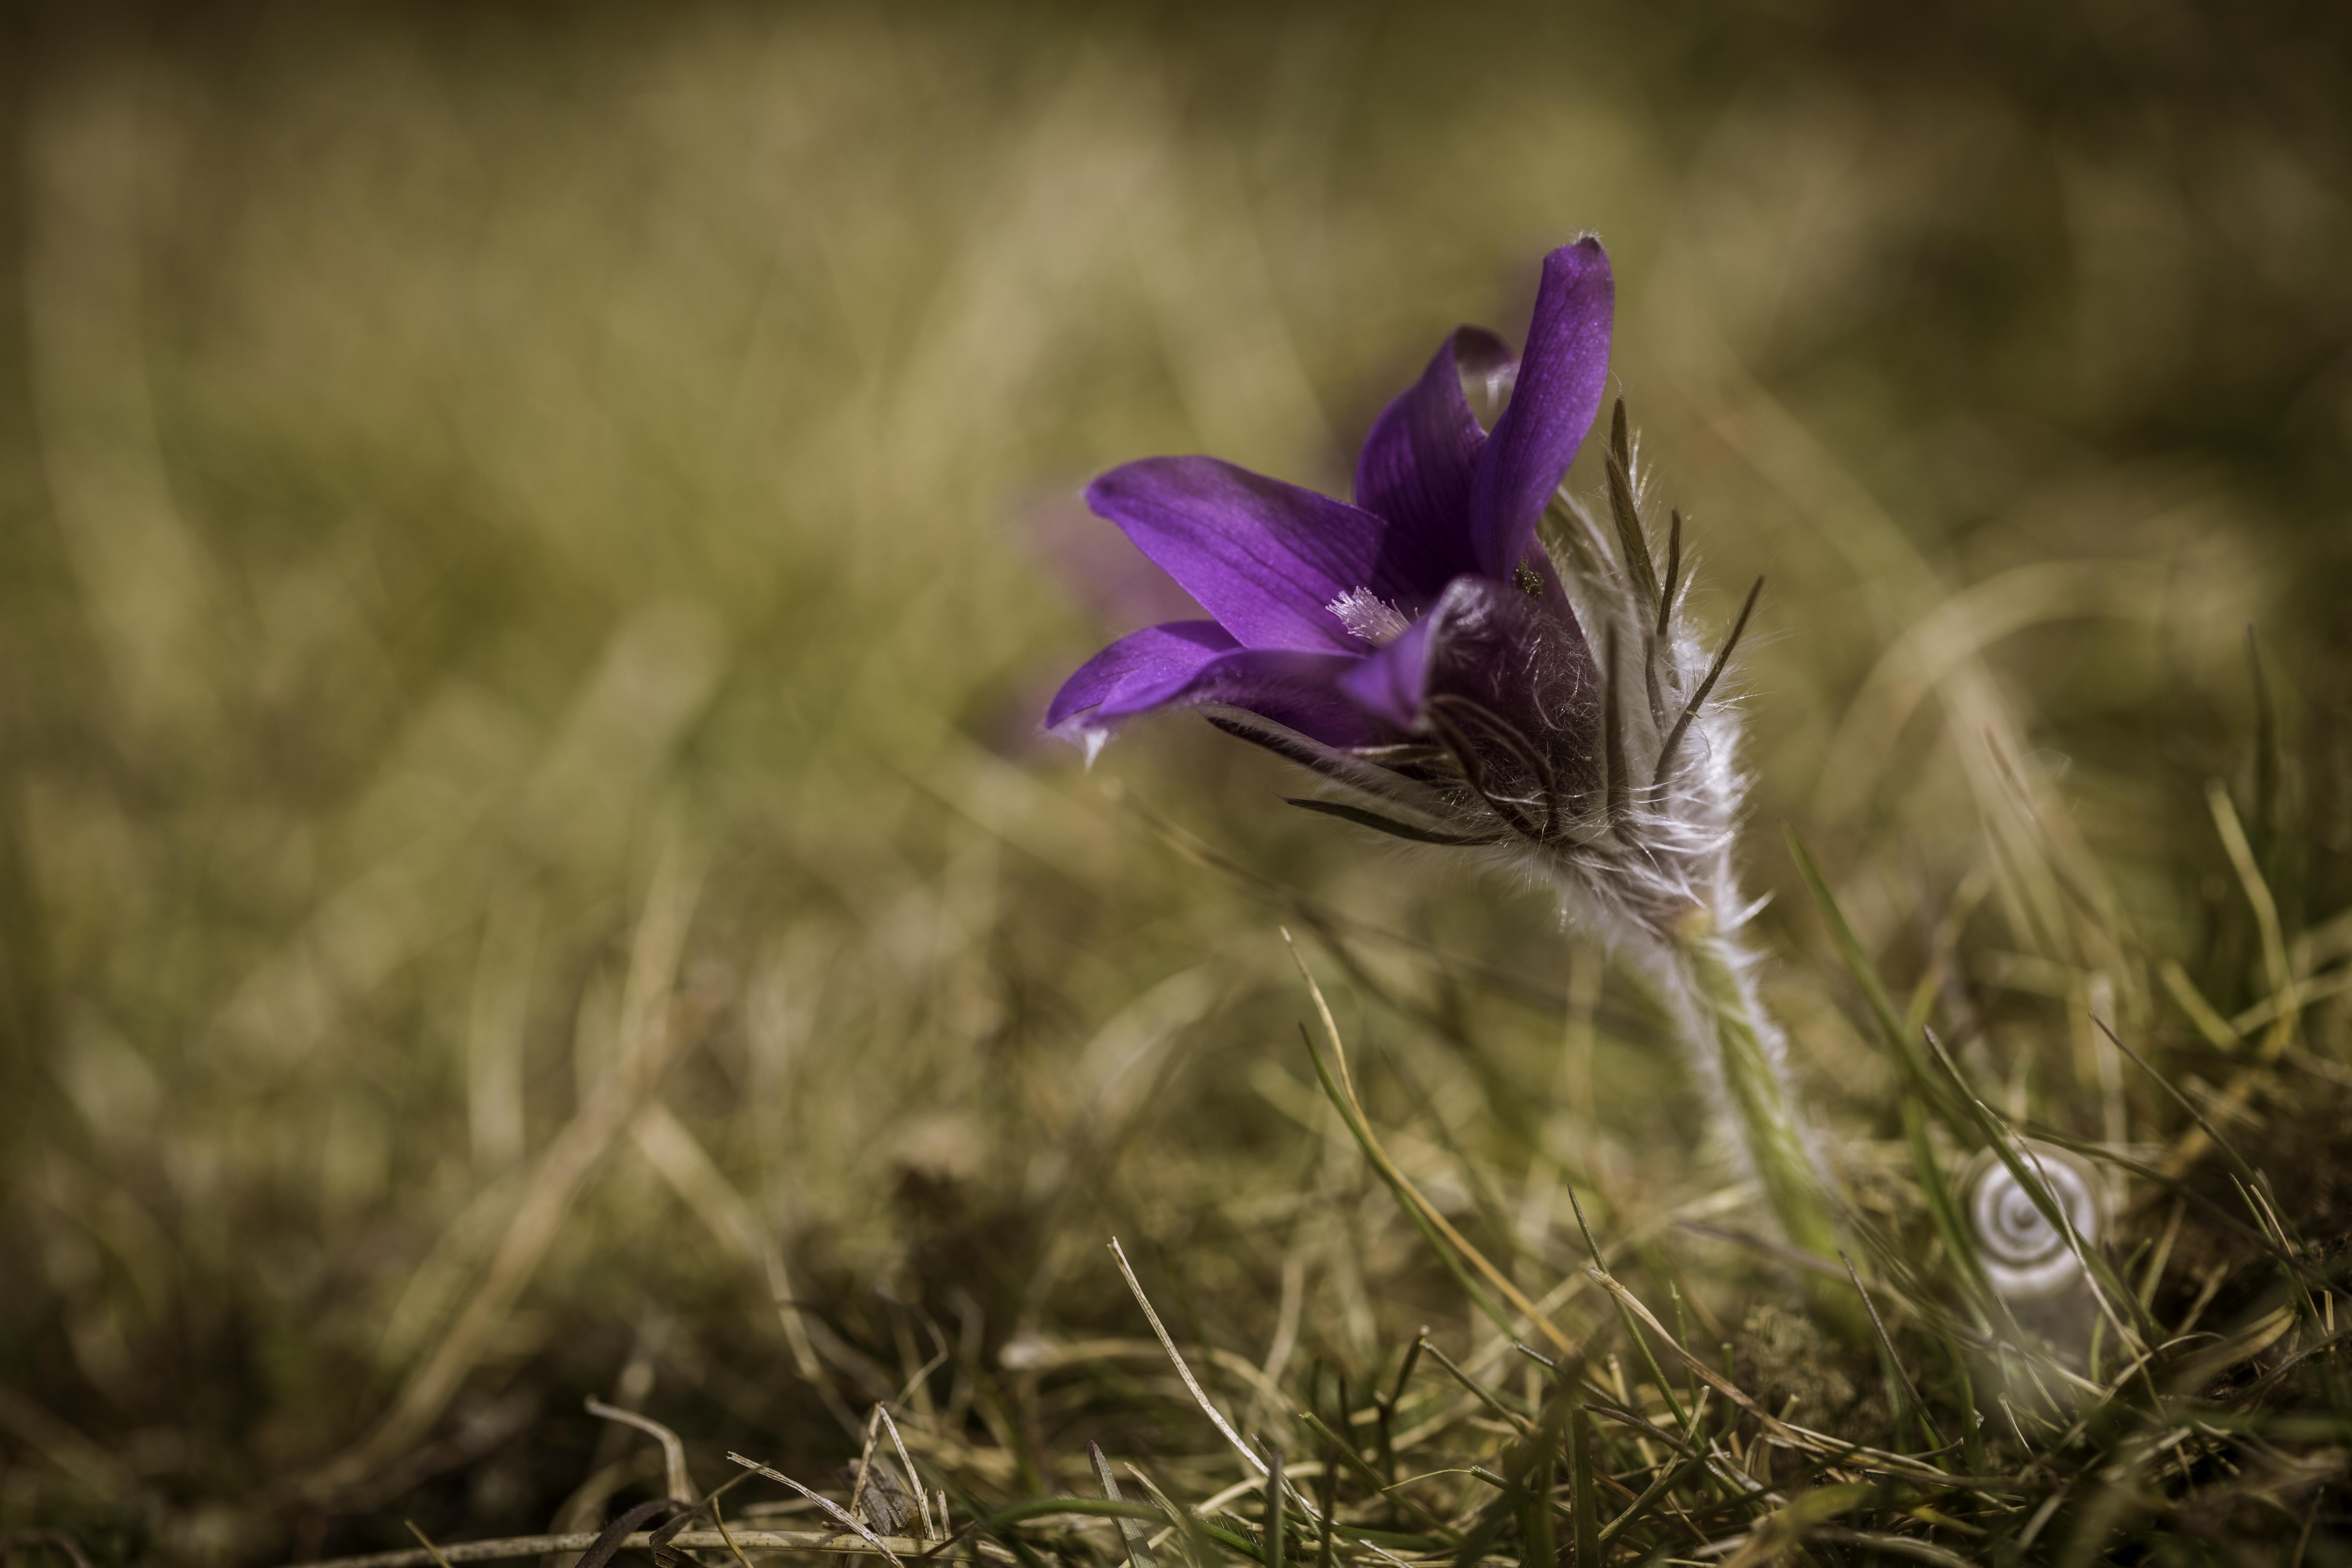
x,y
1891,1028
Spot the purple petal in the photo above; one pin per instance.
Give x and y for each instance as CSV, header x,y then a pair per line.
x,y
1187,664
1393,682
1142,661
1415,466
1262,556
1561,377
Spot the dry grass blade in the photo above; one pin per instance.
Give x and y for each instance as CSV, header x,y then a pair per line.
x,y
832,1510
1705,1372
681,1484
1199,1396
1641,1344
914,1480
431,1551
662,1539
860,1493
2264,904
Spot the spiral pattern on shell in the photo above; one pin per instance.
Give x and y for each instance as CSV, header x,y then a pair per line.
x,y
2025,1256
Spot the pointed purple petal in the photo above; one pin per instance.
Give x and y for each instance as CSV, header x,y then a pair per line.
x,y
1415,466
1298,690
1144,661
1561,377
1262,556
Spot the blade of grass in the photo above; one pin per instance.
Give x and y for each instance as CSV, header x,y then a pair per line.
x,y
1667,1480
1199,1396
1918,1407
1275,1542
1584,1501
1083,1507
433,1550
1187,1528
1328,1497
1891,1028
1633,1330
2229,1150
682,1489
1355,1462
1486,1396
2169,1183
1138,1548
2191,1001
1339,1087
2280,973
832,1510
1943,1211
914,1481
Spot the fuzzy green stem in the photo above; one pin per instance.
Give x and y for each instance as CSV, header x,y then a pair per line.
x,y
1728,1018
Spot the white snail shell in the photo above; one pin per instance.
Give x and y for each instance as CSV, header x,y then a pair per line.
x,y
2024,1256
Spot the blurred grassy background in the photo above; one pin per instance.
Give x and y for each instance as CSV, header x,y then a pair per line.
x,y
535,541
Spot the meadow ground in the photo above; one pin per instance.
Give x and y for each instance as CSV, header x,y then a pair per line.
x,y
535,548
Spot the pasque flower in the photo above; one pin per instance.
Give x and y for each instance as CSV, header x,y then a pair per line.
x,y
1360,627
1477,659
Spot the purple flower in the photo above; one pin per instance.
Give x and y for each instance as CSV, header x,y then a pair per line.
x,y
1421,648
1417,643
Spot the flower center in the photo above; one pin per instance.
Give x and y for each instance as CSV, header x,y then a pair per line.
x,y
1369,617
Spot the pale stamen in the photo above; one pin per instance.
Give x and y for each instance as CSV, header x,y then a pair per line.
x,y
1369,617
